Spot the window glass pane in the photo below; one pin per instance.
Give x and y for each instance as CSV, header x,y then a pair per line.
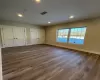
x,y
62,35
79,31
77,35
73,32
83,31
72,39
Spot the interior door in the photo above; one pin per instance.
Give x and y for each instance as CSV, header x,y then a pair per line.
x,y
19,36
7,37
41,36
34,36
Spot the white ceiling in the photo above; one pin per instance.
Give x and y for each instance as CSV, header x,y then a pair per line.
x,y
58,10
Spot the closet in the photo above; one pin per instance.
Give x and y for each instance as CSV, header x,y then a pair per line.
x,y
13,36
37,35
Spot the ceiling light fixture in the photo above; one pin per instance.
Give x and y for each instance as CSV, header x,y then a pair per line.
x,y
20,15
49,22
71,17
38,1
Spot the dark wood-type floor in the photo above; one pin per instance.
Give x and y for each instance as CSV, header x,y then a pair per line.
x,y
43,62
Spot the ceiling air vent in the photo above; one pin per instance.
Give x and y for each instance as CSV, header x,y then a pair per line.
x,y
43,13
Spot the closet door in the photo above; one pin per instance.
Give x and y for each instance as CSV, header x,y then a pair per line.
x,y
34,36
7,37
41,36
19,36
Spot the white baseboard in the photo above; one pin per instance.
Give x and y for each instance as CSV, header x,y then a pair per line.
x,y
83,50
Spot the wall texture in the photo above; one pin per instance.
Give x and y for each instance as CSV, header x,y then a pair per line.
x,y
17,24
92,38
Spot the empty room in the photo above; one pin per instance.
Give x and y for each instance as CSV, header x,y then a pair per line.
x,y
49,39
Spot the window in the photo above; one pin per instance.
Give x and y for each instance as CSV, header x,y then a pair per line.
x,y
77,35
72,35
62,35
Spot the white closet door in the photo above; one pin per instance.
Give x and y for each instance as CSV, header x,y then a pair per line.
x,y
41,36
7,37
19,36
34,36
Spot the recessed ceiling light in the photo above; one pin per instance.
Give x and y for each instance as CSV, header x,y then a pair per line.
x,y
20,15
71,17
49,22
38,1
